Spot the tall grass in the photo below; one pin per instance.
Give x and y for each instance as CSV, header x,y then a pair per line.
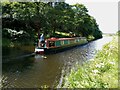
x,y
100,72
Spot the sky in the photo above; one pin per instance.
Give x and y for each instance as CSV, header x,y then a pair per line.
x,y
104,11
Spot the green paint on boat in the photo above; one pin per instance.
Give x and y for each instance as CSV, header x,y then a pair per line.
x,y
57,43
65,41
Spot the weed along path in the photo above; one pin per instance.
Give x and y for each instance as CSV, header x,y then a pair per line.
x,y
36,71
99,72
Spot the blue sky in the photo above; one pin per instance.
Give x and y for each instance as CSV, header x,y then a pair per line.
x,y
105,12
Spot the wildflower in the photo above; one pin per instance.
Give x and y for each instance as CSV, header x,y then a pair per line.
x,y
91,59
111,47
113,63
98,66
102,64
95,71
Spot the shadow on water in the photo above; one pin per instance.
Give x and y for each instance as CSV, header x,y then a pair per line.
x,y
17,65
12,69
36,71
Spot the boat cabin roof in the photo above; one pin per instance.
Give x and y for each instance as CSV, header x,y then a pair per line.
x,y
57,39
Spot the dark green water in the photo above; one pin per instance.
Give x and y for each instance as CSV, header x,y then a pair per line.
x,y
35,71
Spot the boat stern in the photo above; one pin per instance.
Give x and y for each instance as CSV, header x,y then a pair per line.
x,y
39,50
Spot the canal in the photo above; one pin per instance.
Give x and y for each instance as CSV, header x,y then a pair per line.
x,y
35,71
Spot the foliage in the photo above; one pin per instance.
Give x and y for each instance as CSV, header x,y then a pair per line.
x,y
100,72
39,17
118,33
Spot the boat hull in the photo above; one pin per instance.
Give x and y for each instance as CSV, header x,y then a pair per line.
x,y
57,49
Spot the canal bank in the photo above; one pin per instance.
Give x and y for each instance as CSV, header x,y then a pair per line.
x,y
35,71
100,72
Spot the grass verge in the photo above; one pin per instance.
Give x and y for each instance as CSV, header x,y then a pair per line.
x,y
100,72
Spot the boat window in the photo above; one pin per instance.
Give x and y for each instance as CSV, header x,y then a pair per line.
x,y
78,39
57,43
65,41
62,42
51,43
72,41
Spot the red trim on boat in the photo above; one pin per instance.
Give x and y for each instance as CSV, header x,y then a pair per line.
x,y
55,39
40,52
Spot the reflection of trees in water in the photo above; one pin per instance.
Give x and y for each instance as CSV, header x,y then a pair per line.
x,y
13,69
18,65
49,71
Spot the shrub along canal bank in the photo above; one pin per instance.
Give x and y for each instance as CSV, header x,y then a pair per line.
x,y
13,50
100,72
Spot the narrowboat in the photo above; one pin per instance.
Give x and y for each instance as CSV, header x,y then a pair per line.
x,y
54,45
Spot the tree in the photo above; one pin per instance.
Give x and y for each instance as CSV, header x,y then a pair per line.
x,y
47,18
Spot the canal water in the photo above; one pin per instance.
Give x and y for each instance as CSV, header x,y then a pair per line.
x,y
35,71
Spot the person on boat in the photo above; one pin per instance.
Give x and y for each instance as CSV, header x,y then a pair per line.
x,y
70,34
41,41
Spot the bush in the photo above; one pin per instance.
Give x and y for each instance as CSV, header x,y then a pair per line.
x,y
100,72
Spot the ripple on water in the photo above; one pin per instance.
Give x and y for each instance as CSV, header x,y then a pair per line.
x,y
37,71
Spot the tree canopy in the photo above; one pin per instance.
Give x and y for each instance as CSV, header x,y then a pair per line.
x,y
38,17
